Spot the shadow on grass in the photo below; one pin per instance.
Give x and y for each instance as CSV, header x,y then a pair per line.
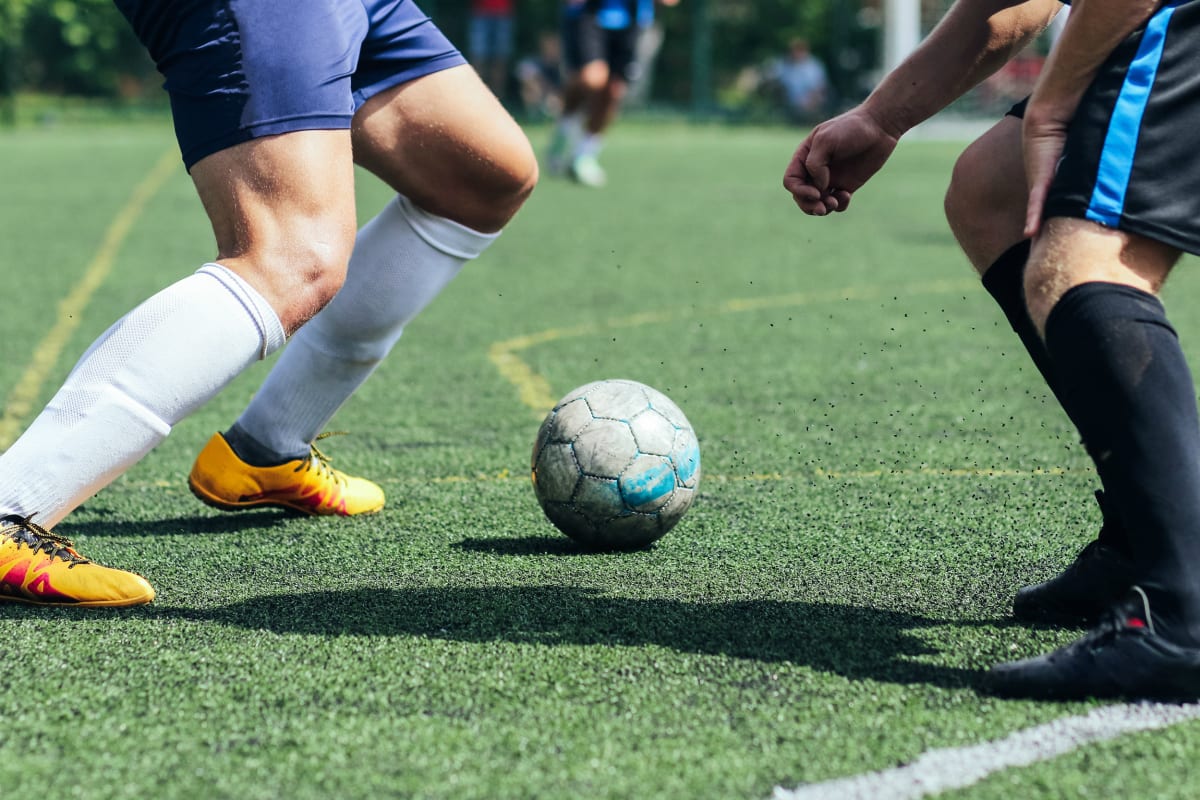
x,y
530,546
854,642
180,526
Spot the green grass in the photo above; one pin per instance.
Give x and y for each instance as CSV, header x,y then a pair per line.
x,y
882,469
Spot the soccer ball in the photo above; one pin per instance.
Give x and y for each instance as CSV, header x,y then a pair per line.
x,y
616,464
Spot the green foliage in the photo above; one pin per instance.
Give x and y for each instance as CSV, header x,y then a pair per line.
x,y
12,18
82,47
745,35
12,14
85,47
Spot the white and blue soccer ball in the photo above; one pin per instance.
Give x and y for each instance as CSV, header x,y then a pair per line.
x,y
616,464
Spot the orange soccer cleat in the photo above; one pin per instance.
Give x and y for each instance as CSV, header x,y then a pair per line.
x,y
42,568
309,485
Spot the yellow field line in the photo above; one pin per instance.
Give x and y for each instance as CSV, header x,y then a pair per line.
x,y
70,309
534,390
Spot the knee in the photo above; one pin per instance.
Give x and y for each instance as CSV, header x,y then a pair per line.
x,y
514,176
302,268
593,77
961,201
493,194
966,208
984,208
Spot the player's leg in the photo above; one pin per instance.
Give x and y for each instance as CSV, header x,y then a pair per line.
x,y
283,214
283,217
985,206
462,168
612,85
282,209
1124,202
604,105
585,61
1093,291
985,202
447,144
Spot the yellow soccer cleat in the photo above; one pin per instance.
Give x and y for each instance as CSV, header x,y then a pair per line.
x,y
309,485
42,568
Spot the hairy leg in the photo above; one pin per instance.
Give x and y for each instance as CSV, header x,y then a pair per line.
x,y
1091,291
445,142
462,168
280,225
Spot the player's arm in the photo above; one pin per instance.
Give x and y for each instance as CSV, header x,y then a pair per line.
x,y
1093,30
973,40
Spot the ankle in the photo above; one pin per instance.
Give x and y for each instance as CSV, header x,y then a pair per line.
x,y
254,452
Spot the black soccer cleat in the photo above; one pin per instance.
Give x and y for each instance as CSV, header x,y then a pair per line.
x,y
1122,657
1098,577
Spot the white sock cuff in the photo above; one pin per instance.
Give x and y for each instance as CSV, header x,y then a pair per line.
x,y
444,235
270,329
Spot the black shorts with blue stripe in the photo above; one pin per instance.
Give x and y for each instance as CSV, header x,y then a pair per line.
x,y
1132,156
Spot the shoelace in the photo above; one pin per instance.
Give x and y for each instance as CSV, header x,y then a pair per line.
x,y
1119,619
321,462
24,531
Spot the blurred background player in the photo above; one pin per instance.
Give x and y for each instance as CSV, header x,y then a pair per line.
x,y
801,81
491,31
539,77
270,130
600,43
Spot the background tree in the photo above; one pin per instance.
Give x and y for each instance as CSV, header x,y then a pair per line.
x,y
12,18
82,47
85,47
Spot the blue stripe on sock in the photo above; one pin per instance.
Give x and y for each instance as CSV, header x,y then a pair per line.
x,y
1120,143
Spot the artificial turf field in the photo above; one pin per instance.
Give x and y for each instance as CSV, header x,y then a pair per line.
x,y
882,469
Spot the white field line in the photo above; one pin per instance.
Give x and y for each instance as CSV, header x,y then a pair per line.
x,y
938,771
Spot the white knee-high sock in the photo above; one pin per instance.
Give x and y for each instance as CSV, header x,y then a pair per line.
x,y
402,259
153,367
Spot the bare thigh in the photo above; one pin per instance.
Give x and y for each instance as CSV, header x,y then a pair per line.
x,y
445,142
1069,252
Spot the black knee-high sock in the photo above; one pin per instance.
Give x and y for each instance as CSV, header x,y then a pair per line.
x,y
1005,282
1123,374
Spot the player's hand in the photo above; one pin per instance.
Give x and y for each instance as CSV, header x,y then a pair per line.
x,y
838,157
1043,135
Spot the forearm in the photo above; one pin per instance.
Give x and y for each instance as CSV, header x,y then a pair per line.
x,y
973,40
1093,30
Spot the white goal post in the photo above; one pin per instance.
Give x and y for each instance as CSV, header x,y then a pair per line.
x,y
901,30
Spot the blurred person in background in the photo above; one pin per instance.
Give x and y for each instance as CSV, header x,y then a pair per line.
x,y
801,81
539,77
491,31
600,45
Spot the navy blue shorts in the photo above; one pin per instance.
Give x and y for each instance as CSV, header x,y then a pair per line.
x,y
241,69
